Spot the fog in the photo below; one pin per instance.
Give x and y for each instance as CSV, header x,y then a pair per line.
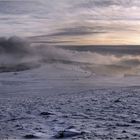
x,y
20,53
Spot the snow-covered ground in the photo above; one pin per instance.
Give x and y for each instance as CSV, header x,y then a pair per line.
x,y
58,101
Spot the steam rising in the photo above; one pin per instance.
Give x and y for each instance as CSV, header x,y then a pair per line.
x,y
18,54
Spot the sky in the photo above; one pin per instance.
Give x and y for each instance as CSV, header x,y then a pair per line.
x,y
85,22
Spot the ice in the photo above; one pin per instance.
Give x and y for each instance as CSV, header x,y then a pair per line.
x,y
62,100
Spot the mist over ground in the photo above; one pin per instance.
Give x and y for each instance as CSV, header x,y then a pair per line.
x,y
20,54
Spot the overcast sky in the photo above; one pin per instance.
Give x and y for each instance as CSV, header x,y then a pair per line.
x,y
75,21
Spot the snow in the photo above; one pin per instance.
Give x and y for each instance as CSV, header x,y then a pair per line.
x,y
42,102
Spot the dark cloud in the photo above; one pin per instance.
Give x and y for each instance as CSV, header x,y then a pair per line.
x,y
97,3
14,46
105,3
16,54
78,31
12,6
117,50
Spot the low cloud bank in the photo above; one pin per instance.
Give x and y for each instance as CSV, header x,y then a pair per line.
x,y
18,54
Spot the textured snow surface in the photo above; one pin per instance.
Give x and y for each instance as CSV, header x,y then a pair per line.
x,y
63,101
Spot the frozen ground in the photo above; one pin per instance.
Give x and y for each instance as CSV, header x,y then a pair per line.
x,y
64,101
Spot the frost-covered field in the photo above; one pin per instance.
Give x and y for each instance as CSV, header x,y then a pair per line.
x,y
70,69
58,101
